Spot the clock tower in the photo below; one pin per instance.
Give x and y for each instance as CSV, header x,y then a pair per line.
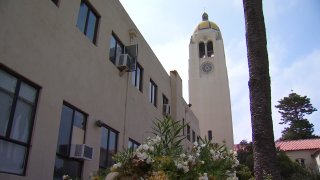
x,y
208,83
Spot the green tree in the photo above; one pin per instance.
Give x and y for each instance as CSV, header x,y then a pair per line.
x,y
293,110
264,152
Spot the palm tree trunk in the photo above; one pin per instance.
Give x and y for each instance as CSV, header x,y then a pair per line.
x,y
264,151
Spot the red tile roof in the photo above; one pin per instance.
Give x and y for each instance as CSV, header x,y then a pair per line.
x,y
303,144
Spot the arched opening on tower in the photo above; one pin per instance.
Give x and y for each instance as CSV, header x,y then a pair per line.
x,y
202,50
210,52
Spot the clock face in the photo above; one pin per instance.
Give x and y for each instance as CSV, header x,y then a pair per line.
x,y
207,67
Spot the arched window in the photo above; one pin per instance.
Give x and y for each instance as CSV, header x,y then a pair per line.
x,y
210,49
202,50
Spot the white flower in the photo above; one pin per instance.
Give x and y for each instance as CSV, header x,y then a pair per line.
x,y
182,155
203,145
195,144
197,154
145,147
151,148
204,177
149,160
179,165
117,165
142,156
202,162
185,169
190,158
212,151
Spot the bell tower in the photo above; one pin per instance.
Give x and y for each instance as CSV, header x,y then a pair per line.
x,y
208,83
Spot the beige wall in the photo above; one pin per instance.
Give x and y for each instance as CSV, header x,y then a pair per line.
x,y
41,42
310,161
209,92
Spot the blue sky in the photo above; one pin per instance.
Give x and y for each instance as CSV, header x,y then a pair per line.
x,y
293,29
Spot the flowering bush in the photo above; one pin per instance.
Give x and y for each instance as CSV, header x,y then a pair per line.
x,y
163,158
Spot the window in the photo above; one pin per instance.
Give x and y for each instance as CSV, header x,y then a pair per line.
x,y
56,2
116,48
301,162
210,135
210,49
188,132
71,131
88,21
109,142
133,144
193,136
183,124
18,100
166,107
136,77
202,50
153,93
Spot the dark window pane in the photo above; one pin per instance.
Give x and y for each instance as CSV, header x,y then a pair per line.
x,y
133,77
112,49
119,49
112,147
104,147
138,78
193,136
5,108
21,122
91,26
12,157
68,167
130,144
210,135
210,49
83,11
202,50
7,81
64,131
188,132
79,120
55,1
28,93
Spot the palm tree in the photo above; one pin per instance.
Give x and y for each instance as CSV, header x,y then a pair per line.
x,y
264,151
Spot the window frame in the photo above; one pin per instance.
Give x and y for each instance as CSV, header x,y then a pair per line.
x,y
67,157
188,132
56,2
210,51
134,75
97,16
15,97
117,42
210,136
103,125
153,92
165,100
133,142
193,136
202,49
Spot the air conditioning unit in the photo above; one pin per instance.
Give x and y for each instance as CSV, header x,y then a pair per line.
x,y
123,61
81,151
166,109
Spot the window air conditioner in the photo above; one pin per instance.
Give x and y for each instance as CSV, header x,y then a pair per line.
x,y
166,109
81,151
123,61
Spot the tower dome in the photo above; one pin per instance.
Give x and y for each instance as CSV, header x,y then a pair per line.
x,y
206,24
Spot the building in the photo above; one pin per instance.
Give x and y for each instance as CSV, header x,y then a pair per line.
x,y
208,83
71,93
306,152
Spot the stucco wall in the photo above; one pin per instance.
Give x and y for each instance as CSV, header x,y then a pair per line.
x,y
304,154
41,42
